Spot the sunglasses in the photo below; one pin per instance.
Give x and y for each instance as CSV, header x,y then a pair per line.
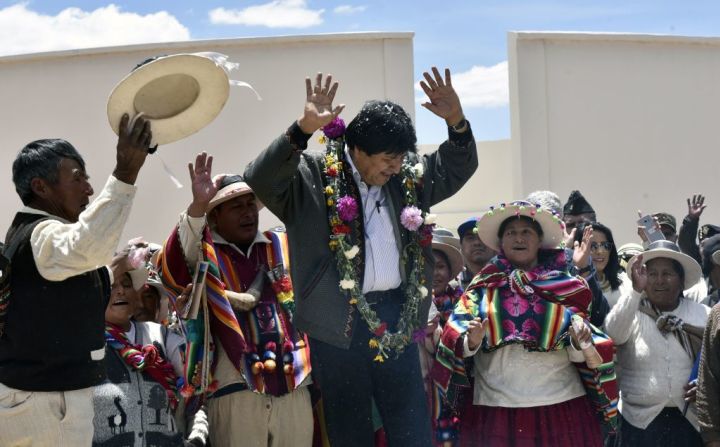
x,y
595,246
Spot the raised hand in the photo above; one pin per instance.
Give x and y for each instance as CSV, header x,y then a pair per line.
x,y
568,238
476,332
444,101
697,206
581,250
638,274
203,188
319,110
132,148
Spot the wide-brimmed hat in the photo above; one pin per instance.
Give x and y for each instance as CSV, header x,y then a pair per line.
x,y
446,245
627,251
670,250
489,224
179,94
229,187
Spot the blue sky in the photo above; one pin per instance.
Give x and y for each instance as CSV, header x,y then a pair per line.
x,y
468,36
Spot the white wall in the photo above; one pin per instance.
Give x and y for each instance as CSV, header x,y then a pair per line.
x,y
630,120
64,94
490,185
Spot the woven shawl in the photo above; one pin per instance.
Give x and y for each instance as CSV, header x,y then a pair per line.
x,y
532,308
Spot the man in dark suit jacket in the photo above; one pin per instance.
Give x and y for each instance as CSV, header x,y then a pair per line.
x,y
293,184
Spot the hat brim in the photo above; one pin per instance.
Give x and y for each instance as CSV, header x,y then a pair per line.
x,y
178,94
692,269
138,277
453,254
489,224
157,286
230,192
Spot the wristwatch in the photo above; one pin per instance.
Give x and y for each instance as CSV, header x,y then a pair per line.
x,y
460,127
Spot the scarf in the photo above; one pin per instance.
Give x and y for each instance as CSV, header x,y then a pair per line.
x,y
690,337
217,320
145,359
215,314
533,308
445,303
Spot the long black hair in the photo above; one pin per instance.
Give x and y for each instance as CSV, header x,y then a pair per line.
x,y
613,269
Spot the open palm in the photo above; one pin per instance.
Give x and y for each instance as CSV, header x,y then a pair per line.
x,y
443,100
319,110
203,187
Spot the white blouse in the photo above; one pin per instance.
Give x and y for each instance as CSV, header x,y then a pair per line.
x,y
655,368
516,378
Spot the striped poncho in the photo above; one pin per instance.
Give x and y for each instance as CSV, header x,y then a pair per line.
x,y
534,309
239,334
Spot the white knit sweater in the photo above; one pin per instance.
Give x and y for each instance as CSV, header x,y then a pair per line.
x,y
654,368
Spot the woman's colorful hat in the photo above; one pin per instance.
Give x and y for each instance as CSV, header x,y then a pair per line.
x,y
489,224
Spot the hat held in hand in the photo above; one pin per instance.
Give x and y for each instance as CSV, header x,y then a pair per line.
x,y
179,94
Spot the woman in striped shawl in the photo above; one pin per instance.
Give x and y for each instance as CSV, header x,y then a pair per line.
x,y
515,320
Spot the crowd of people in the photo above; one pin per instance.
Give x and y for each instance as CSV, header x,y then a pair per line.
x,y
360,322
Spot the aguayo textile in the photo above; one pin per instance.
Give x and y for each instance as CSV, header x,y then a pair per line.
x,y
533,309
249,338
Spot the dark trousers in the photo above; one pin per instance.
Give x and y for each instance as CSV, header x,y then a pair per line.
x,y
349,379
668,429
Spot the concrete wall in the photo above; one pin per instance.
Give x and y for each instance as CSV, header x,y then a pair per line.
x,y
490,185
630,120
64,94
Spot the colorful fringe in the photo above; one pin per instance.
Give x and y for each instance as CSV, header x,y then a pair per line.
x,y
146,359
216,315
532,308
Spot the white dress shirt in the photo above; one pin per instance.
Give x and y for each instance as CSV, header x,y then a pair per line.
x,y
382,257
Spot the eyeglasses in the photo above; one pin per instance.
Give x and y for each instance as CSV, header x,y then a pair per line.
x,y
595,246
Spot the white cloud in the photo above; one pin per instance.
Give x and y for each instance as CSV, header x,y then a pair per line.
x,y
25,31
481,86
348,9
276,14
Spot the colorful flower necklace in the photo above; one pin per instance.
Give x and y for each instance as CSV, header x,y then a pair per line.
x,y
343,220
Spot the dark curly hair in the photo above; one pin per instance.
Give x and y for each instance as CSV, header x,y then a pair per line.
x,y
381,127
613,269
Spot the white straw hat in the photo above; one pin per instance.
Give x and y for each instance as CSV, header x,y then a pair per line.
x,y
179,94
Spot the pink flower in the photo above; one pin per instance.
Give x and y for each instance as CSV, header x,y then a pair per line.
x,y
335,129
516,305
411,218
530,327
347,208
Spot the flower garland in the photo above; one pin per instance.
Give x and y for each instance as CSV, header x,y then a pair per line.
x,y
343,212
